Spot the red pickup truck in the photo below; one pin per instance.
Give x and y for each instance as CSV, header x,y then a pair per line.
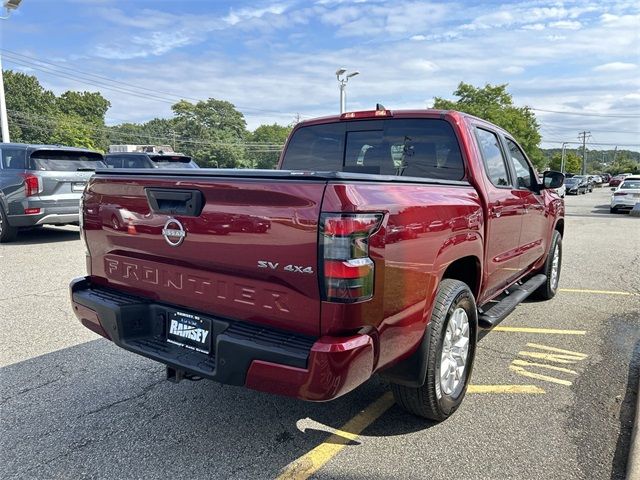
x,y
386,240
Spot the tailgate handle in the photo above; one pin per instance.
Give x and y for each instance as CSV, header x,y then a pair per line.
x,y
175,202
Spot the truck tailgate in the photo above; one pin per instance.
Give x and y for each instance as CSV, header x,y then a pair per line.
x,y
250,253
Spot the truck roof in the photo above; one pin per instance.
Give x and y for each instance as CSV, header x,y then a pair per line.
x,y
414,113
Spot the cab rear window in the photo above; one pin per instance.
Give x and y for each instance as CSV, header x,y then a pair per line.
x,y
425,148
65,161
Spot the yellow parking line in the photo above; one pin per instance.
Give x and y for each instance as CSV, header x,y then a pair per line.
x,y
504,389
601,292
312,461
539,330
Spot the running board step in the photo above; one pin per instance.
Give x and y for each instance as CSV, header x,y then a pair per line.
x,y
508,304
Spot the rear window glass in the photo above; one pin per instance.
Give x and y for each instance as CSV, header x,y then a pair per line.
x,y
13,158
175,161
65,161
411,148
630,184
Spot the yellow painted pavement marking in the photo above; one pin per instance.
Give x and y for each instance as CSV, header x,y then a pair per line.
x,y
312,461
558,350
524,363
538,376
556,355
554,331
504,389
601,292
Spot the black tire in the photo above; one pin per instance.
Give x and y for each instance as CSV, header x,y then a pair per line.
x,y
613,210
549,288
429,400
7,232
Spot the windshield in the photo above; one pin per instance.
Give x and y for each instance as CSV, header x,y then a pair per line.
x,y
571,180
402,147
65,161
630,184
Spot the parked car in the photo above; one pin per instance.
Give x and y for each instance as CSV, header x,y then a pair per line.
x,y
626,195
605,177
576,185
341,287
41,185
597,180
618,179
148,160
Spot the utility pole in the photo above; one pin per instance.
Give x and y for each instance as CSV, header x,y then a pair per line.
x,y
564,147
583,136
615,151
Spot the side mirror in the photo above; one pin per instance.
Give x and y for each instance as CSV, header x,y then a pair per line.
x,y
613,189
552,179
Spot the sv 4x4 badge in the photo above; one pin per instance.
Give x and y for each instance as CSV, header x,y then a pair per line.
x,y
286,268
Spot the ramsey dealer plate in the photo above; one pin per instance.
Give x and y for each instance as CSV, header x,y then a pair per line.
x,y
189,331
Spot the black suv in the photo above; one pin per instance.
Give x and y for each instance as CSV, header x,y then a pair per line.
x,y
42,185
148,160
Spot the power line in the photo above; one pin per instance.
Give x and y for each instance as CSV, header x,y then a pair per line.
x,y
587,114
105,82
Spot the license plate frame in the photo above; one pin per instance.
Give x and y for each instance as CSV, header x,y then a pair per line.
x,y
188,330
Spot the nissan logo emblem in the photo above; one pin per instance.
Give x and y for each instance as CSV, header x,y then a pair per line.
x,y
173,232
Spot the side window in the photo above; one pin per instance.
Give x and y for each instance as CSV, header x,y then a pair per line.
x,y
524,173
13,158
493,158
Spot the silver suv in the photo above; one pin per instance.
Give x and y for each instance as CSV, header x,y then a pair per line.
x,y
42,185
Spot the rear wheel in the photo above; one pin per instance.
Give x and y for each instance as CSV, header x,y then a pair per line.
x,y
452,345
7,232
551,269
613,210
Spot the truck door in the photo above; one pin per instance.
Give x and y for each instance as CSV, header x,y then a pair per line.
x,y
535,224
504,216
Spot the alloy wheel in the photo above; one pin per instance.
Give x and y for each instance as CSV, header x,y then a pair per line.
x,y
455,350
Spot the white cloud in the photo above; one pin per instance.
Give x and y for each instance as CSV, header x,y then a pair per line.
x,y
236,16
418,38
566,25
534,26
513,70
615,67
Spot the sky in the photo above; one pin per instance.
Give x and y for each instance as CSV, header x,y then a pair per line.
x,y
276,60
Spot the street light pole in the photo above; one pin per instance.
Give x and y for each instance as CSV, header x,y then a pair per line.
x,y
9,5
342,81
4,121
564,146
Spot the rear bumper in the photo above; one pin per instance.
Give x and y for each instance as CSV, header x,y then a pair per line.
x,y
260,358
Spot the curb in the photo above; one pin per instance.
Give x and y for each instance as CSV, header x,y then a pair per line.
x,y
633,463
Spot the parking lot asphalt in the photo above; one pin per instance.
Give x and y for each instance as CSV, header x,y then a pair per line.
x,y
553,398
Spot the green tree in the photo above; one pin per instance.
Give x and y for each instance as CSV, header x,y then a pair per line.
x,y
494,104
88,107
212,132
572,162
624,164
31,110
266,143
73,130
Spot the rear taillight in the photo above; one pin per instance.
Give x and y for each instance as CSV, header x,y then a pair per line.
x,y
31,211
32,184
347,270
